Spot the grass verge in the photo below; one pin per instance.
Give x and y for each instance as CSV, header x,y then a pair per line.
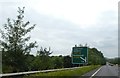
x,y
72,72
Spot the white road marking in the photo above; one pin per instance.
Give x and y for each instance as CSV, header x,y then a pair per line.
x,y
83,59
95,72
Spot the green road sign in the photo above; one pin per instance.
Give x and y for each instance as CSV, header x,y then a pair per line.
x,y
79,55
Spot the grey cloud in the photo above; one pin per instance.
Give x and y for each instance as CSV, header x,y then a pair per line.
x,y
61,35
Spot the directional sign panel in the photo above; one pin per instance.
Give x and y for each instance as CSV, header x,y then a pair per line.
x,y
79,55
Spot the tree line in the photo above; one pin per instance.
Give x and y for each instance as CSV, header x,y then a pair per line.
x,y
113,60
16,50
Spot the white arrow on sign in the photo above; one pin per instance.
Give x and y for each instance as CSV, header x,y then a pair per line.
x,y
83,59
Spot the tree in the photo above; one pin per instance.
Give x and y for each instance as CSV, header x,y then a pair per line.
x,y
67,62
95,57
44,52
115,60
15,42
57,61
29,61
86,45
44,58
80,45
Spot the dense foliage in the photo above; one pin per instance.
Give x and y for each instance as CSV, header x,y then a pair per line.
x,y
95,57
16,50
15,43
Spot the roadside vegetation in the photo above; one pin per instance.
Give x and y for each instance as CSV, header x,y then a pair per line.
x,y
16,48
113,60
71,72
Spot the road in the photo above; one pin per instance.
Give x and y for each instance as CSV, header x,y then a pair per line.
x,y
105,71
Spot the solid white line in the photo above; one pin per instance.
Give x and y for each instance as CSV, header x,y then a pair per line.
x,y
96,72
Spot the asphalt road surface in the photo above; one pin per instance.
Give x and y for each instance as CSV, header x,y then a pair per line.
x,y
106,71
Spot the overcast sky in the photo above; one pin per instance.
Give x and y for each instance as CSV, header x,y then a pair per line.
x,y
63,23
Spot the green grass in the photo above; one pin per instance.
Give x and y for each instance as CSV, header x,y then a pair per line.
x,y
72,72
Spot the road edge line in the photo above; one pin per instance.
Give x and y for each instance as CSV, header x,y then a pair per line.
x,y
95,72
